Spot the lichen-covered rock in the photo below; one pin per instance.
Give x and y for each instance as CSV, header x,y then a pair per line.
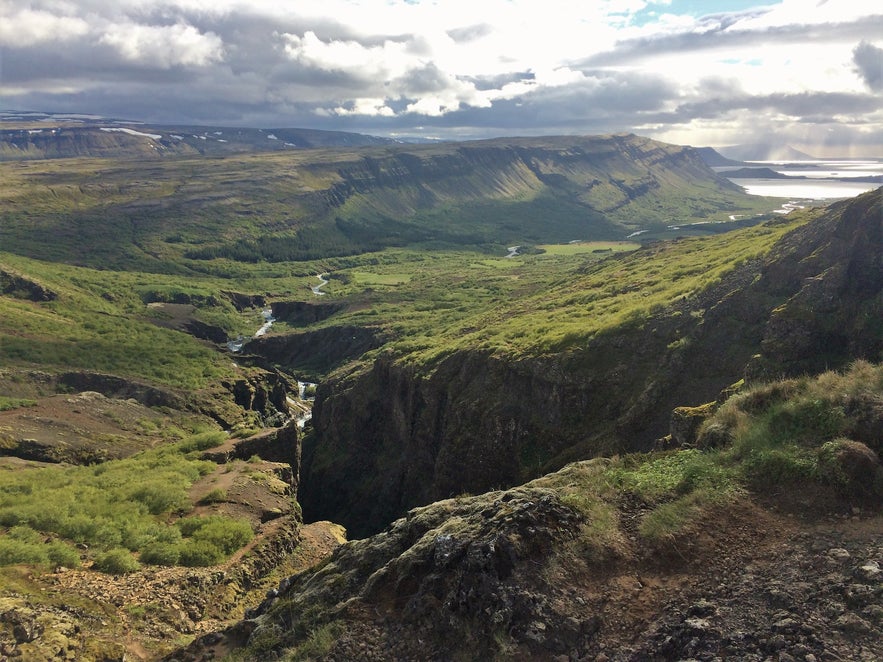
x,y
686,421
851,467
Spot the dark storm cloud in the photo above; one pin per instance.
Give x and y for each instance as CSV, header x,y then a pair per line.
x,y
428,78
718,35
86,63
868,61
470,33
497,82
805,104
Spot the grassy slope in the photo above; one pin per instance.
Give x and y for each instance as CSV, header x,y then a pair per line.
x,y
99,321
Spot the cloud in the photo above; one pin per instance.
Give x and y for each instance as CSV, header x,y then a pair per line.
x,y
163,46
868,61
713,34
457,69
27,27
470,32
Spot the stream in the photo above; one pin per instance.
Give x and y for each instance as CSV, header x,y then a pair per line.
x,y
237,344
317,289
301,408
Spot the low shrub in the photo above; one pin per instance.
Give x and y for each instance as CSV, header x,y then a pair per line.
x,y
217,495
13,552
211,538
199,553
228,535
116,561
203,441
160,554
61,554
160,497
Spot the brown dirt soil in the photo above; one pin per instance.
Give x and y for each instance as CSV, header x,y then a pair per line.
x,y
251,490
86,426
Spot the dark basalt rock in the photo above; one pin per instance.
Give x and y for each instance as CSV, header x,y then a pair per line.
x,y
316,352
302,313
122,388
18,286
245,301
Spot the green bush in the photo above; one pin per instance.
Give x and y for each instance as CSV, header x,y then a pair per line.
x,y
26,534
203,441
187,525
160,497
212,538
199,553
217,495
160,554
769,466
226,534
14,551
665,475
61,554
117,561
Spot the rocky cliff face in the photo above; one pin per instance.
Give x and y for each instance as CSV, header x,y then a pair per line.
x,y
389,438
316,352
21,287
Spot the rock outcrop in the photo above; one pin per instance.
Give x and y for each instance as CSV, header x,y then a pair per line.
x,y
310,353
527,573
21,287
280,445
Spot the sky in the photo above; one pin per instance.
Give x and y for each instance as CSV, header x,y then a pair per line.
x,y
807,73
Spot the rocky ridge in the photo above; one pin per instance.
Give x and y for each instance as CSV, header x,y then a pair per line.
x,y
524,574
479,422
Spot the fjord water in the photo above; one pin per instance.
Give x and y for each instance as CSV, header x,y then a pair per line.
x,y
820,180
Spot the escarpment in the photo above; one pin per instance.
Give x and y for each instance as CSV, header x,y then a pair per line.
x,y
609,178
394,436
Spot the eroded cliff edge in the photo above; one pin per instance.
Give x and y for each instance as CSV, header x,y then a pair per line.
x,y
391,437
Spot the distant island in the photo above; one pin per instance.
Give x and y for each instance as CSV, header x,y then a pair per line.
x,y
756,173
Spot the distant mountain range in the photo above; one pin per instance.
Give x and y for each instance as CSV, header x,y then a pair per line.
x,y
32,135
763,152
714,159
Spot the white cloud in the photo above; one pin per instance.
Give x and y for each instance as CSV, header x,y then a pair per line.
x,y
371,63
369,107
28,27
163,46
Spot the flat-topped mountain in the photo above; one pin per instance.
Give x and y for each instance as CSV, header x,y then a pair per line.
x,y
35,136
764,152
303,204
